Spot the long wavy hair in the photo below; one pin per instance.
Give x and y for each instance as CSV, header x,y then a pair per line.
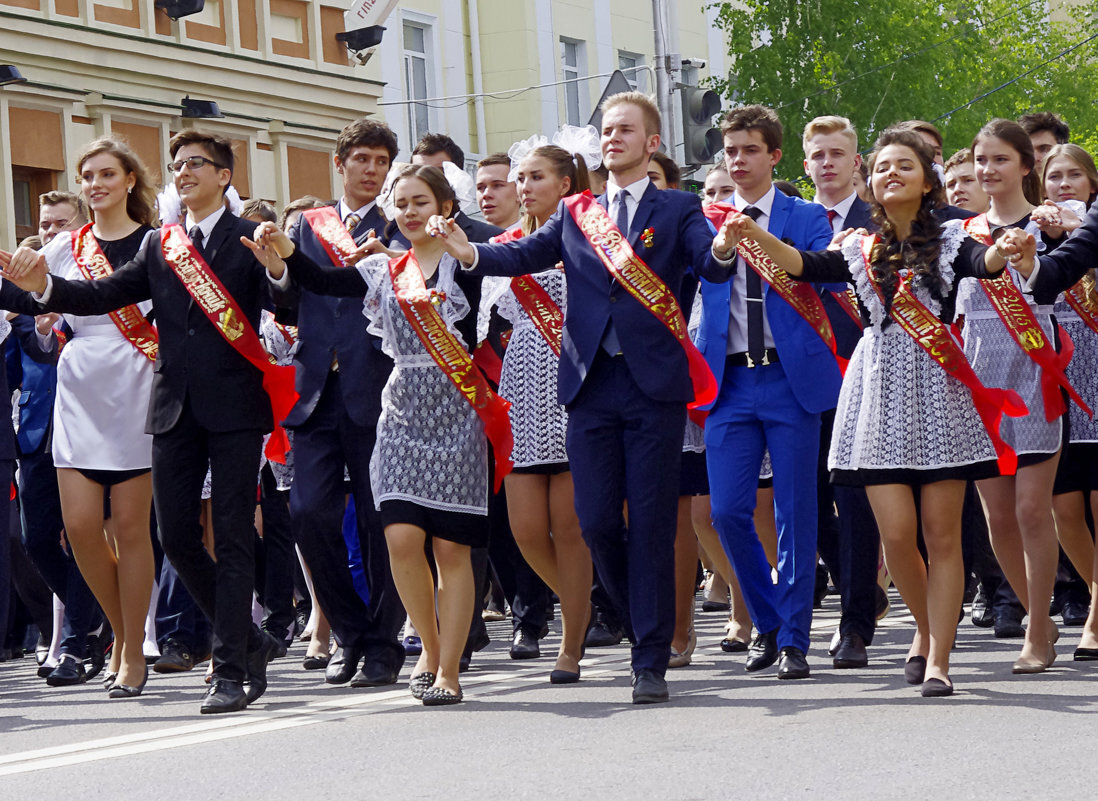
x,y
920,251
141,201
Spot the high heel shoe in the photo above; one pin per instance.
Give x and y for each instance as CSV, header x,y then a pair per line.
x,y
126,691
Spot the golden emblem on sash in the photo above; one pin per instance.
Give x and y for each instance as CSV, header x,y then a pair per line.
x,y
229,325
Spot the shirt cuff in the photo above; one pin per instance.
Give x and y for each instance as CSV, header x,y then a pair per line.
x,y
282,284
1027,287
476,260
43,297
45,341
728,264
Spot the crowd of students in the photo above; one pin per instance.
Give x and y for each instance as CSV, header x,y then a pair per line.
x,y
369,418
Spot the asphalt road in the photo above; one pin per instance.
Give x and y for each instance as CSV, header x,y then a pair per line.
x,y
855,734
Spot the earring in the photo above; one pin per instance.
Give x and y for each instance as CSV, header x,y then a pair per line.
x,y
129,191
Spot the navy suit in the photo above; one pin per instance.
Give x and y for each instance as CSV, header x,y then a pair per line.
x,y
341,371
627,412
777,405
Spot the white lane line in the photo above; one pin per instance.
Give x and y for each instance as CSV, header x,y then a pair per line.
x,y
251,723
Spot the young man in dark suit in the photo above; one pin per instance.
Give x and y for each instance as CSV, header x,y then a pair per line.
x,y
341,371
776,376
849,542
623,375
208,406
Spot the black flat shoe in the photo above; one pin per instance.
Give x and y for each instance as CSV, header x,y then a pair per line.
x,y
936,688
109,678
315,662
1086,655
440,696
564,677
421,683
126,691
733,646
915,670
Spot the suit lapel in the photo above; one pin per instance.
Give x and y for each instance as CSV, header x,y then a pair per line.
x,y
220,231
649,202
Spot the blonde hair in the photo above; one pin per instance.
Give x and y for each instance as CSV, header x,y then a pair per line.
x,y
828,125
649,110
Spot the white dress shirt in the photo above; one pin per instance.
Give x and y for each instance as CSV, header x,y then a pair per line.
x,y
841,209
737,318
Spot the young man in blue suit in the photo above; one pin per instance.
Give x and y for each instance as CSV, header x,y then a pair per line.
x,y
623,375
776,376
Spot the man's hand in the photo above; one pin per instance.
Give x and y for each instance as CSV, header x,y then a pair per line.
x,y
43,323
1018,248
734,228
26,268
452,237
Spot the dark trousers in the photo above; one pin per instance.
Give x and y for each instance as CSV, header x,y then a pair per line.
x,y
623,446
178,616
326,442
275,567
848,543
40,506
222,589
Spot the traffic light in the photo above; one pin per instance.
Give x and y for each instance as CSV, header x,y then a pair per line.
x,y
701,141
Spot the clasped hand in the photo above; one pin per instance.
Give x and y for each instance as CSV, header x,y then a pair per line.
x,y
26,268
453,239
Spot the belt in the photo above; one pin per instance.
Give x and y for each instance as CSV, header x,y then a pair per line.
x,y
770,356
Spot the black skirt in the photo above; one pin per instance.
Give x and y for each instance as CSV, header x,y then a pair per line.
x,y
914,478
460,527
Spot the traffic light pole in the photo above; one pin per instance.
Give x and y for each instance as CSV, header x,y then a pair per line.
x,y
663,67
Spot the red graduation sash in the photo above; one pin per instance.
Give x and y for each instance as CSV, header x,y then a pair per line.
x,y
331,233
798,294
417,304
542,310
222,310
131,323
1022,325
932,335
1077,301
619,259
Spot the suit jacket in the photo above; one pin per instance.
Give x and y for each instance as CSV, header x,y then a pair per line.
x,y
37,385
858,216
475,230
847,332
195,363
334,326
808,364
681,242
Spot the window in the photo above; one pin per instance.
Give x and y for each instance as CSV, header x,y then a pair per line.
x,y
627,63
28,184
416,40
572,66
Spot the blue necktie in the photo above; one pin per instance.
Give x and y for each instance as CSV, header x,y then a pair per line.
x,y
610,342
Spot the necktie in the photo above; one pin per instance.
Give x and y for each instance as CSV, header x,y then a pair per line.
x,y
352,222
755,349
610,342
831,215
196,237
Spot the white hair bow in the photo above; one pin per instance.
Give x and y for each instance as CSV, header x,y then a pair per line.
x,y
465,189
169,206
520,150
584,142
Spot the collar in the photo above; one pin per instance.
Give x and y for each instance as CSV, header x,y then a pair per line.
x,y
206,225
763,204
345,210
636,189
842,208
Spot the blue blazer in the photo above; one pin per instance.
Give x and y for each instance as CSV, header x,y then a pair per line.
x,y
681,242
808,364
37,383
329,326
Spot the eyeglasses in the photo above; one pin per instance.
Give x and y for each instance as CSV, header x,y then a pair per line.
x,y
192,164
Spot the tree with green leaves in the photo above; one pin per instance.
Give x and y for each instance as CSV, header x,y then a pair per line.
x,y
956,64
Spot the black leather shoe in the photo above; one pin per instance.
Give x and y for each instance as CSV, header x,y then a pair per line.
x,y
97,656
649,687
982,614
342,666
524,646
602,635
224,696
69,671
258,659
792,664
851,652
1008,623
1074,613
374,674
175,657
763,651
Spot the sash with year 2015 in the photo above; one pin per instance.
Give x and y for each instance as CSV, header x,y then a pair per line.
x,y
223,312
1018,319
92,263
619,259
798,294
934,337
418,307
